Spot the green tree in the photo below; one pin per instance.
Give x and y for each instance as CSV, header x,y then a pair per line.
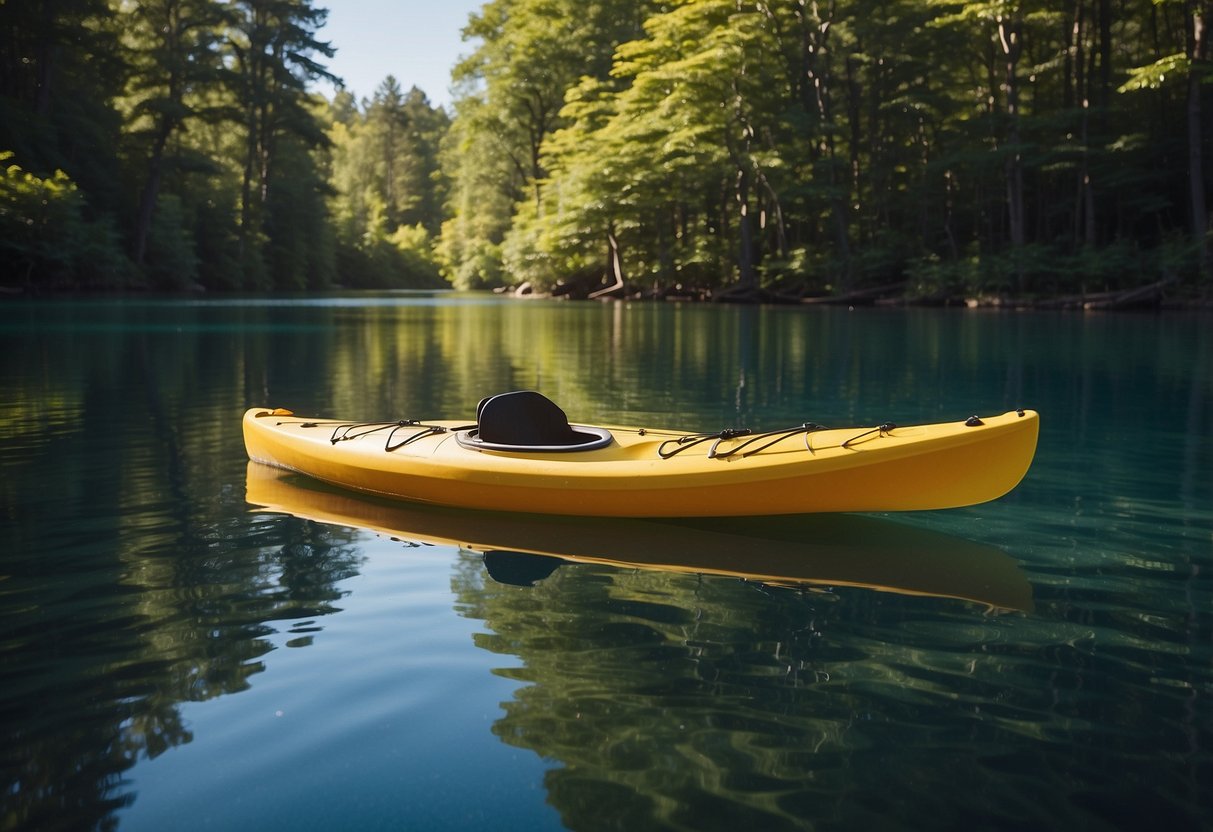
x,y
404,133
388,187
46,236
60,67
1189,62
274,45
1005,25
173,52
531,53
45,52
300,241
971,146
671,167
485,186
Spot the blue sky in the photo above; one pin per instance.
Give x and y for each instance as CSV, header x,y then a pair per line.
x,y
418,41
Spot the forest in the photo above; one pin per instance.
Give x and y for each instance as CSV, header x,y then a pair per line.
x,y
929,149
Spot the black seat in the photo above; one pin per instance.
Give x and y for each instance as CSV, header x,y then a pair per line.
x,y
528,421
524,417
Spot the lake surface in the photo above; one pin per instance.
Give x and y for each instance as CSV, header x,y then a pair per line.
x,y
188,642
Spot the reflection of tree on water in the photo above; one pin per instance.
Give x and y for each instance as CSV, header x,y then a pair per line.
x,y
669,700
191,624
678,701
125,587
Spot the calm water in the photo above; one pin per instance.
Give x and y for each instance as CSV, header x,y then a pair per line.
x,y
174,656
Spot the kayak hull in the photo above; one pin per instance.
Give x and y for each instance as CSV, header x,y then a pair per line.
x,y
854,469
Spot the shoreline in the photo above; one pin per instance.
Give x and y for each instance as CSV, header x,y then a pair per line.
x,y
1151,298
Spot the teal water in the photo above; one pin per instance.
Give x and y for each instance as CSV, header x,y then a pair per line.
x,y
174,656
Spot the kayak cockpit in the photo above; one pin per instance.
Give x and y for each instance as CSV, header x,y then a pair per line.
x,y
526,421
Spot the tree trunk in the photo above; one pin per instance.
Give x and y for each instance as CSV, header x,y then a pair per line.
x,y
1010,34
149,195
1196,181
246,181
854,99
44,54
745,232
614,268
815,98
1083,230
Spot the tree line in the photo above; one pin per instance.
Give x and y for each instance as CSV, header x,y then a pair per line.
x,y
179,144
800,147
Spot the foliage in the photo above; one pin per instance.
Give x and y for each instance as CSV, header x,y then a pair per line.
x,y
404,259
388,190
955,146
176,124
961,147
173,262
531,53
45,233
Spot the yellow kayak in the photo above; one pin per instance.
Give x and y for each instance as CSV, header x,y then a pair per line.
x,y
815,550
521,454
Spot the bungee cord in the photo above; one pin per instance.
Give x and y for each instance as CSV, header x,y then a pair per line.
x,y
755,443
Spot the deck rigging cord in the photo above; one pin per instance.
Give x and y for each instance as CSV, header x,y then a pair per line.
x,y
778,436
881,429
683,443
345,431
772,438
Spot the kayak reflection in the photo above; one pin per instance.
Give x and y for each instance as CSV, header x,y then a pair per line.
x,y
815,550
